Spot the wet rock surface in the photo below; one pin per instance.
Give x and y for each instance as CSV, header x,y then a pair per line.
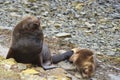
x,y
93,24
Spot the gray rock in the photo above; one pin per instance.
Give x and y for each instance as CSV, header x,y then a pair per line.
x,y
88,24
61,51
57,25
113,77
63,35
13,14
2,1
21,66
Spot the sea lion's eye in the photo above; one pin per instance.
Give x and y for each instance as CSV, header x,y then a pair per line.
x,y
35,26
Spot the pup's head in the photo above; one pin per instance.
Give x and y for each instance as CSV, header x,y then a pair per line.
x,y
87,69
84,61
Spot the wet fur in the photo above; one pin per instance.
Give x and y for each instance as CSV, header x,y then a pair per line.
x,y
84,59
27,44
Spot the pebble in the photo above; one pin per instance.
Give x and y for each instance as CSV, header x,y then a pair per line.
x,y
79,6
13,14
63,35
58,25
61,51
88,24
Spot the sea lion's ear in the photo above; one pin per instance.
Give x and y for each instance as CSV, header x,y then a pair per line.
x,y
38,20
91,59
76,50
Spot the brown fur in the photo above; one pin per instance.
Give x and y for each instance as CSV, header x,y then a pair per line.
x,y
84,61
27,44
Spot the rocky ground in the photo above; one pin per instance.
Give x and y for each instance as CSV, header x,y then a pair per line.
x,y
93,24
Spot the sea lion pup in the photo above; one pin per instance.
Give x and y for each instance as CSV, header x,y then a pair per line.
x,y
27,44
84,59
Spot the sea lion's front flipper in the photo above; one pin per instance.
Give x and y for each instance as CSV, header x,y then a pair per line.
x,y
46,59
47,65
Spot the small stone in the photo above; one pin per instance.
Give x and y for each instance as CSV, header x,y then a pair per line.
x,y
63,35
93,79
7,2
30,71
59,15
12,9
111,53
18,67
25,2
79,6
61,51
45,13
13,14
58,25
21,66
82,13
99,53
34,7
89,31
